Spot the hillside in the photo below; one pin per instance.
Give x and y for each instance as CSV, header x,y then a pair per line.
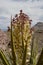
x,y
4,40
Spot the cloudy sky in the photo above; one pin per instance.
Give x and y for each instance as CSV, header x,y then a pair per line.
x,y
34,8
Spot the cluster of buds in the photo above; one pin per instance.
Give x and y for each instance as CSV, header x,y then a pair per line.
x,y
30,21
32,30
22,17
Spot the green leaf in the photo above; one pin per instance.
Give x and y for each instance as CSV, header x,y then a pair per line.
x,y
12,46
3,57
40,61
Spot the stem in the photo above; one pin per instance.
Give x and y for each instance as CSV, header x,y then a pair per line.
x,y
13,51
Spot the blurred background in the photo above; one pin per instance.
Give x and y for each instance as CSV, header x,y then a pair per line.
x,y
33,8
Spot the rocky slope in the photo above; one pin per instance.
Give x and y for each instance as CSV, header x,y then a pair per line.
x,y
4,40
